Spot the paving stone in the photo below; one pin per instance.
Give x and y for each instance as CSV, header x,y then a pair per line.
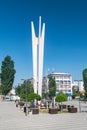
x,y
12,118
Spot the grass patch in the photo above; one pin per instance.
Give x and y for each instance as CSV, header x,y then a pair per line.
x,y
43,110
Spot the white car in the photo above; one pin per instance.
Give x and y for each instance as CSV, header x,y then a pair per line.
x,y
14,98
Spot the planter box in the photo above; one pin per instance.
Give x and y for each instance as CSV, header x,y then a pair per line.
x,y
35,111
21,103
53,110
72,110
61,107
64,106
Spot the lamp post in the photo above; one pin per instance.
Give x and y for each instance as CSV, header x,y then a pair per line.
x,y
26,94
79,97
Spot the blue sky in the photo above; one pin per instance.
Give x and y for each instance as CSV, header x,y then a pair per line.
x,y
65,47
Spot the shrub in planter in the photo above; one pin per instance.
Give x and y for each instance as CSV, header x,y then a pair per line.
x,y
61,98
33,96
72,109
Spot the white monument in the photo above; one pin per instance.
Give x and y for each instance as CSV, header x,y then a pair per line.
x,y
38,53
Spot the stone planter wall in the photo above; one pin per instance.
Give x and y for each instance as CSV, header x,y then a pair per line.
x,y
64,106
35,111
53,110
61,107
21,103
72,110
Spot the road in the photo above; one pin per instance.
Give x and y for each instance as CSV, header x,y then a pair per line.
x,y
12,118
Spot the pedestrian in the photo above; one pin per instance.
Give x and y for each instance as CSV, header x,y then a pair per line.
x,y
17,103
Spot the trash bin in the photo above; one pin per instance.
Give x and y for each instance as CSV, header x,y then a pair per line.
x,y
25,109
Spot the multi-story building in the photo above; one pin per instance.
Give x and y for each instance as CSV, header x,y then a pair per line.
x,y
63,82
78,85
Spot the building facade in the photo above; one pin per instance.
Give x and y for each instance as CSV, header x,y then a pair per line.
x,y
38,53
63,82
78,85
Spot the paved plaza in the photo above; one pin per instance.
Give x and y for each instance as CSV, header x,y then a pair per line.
x,y
12,118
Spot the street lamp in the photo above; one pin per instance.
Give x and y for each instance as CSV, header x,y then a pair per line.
x,y
26,95
79,97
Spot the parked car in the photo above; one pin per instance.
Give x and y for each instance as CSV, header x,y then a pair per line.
x,y
14,98
7,98
77,97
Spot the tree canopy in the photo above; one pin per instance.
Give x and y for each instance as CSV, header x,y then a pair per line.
x,y
7,74
61,97
24,89
33,96
52,86
85,80
75,92
25,86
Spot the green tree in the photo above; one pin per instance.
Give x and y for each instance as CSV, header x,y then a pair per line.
x,y
33,96
0,85
7,74
0,90
85,80
61,97
75,92
24,89
18,90
52,86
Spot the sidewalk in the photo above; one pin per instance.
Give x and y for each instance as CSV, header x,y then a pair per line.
x,y
12,118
